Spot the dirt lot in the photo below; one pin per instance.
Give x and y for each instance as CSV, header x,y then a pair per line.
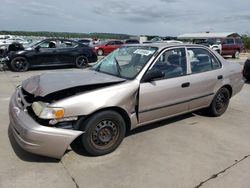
x,y
188,151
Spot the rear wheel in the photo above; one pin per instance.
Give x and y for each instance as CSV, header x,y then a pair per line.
x,y
236,54
104,132
220,102
19,64
81,62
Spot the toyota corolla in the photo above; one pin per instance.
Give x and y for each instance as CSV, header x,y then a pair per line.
x,y
133,86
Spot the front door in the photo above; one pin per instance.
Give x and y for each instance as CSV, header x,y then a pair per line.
x,y
46,54
166,96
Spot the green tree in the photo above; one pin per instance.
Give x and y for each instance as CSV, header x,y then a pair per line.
x,y
246,40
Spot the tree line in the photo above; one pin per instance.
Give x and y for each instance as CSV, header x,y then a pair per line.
x,y
246,40
66,34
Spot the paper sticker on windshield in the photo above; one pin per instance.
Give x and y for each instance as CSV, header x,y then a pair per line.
x,y
143,52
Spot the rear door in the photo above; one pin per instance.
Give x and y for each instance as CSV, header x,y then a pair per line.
x,y
206,76
228,47
169,95
67,51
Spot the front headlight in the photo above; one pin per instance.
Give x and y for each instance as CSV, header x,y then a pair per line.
x,y
45,112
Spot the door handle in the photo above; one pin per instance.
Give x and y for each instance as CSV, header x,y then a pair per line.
x,y
220,77
187,84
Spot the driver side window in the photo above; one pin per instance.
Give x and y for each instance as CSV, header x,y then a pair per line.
x,y
48,44
172,63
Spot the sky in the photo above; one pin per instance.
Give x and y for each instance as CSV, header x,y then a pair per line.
x,y
137,17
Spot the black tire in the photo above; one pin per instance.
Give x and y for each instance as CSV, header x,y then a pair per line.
x,y
247,77
81,62
236,54
104,132
100,52
220,103
19,64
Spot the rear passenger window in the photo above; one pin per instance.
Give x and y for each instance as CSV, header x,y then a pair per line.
x,y
202,60
238,41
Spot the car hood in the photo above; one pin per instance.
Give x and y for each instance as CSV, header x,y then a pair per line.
x,y
44,84
13,54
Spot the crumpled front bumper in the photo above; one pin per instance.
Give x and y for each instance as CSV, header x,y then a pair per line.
x,y
36,138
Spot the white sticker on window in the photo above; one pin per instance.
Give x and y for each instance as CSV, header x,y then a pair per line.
x,y
143,52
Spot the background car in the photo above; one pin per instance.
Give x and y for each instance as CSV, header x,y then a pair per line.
x,y
85,41
246,70
232,46
132,41
104,48
13,47
213,43
52,52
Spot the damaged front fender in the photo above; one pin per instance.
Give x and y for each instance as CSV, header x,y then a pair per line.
x,y
38,139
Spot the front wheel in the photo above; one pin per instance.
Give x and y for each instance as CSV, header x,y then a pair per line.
x,y
104,132
81,62
220,103
19,64
100,52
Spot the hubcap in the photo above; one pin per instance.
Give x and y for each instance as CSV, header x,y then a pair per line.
x,y
105,134
99,52
220,102
20,64
237,54
81,62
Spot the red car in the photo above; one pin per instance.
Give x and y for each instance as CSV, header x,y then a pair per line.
x,y
232,46
107,47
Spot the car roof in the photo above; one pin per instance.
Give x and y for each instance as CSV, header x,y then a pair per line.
x,y
61,39
167,45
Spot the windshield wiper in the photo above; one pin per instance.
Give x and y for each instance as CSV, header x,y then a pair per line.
x,y
118,67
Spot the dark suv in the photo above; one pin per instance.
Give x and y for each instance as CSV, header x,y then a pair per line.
x,y
232,46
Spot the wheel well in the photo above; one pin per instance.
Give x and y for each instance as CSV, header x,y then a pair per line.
x,y
82,55
22,56
229,89
121,111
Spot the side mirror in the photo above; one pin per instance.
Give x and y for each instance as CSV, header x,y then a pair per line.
x,y
37,48
153,74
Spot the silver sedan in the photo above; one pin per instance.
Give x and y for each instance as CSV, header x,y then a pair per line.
x,y
133,86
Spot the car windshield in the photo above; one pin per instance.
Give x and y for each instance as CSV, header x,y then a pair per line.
x,y
213,41
35,44
125,62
